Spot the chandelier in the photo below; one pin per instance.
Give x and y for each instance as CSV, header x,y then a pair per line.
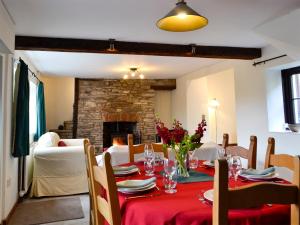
x,y
133,73
182,18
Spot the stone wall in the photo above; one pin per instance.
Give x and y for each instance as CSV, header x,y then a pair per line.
x,y
102,100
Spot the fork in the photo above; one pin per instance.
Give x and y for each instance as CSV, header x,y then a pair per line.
x,y
142,196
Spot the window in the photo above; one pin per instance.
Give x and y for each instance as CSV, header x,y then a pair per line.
x,y
32,103
291,94
32,110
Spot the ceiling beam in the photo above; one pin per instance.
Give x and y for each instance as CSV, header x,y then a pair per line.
x,y
133,48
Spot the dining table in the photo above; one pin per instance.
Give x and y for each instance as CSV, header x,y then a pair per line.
x,y
187,206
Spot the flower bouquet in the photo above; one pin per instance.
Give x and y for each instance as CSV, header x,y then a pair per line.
x,y
180,142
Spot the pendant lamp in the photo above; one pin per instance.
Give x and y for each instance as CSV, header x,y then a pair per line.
x,y
182,18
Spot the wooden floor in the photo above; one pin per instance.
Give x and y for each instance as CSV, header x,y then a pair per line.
x,y
84,198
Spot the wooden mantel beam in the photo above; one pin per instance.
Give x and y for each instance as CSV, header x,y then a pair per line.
x,y
133,48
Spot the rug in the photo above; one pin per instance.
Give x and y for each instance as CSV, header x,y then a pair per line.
x,y
47,211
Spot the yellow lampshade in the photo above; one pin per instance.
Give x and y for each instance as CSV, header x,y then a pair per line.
x,y
182,18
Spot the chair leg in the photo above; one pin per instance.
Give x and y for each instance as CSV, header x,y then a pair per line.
x,y
91,218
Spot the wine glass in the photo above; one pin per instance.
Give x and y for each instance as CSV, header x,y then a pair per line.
x,y
228,158
170,176
149,162
148,152
221,153
235,167
193,162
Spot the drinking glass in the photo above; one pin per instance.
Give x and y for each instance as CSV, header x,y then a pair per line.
x,y
170,176
158,159
235,167
228,158
221,153
149,163
193,162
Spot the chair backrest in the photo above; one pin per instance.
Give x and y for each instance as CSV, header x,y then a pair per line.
x,y
158,147
253,195
280,160
249,154
105,196
86,144
225,141
134,149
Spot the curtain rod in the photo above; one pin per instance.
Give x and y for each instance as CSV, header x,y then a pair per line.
x,y
267,60
32,73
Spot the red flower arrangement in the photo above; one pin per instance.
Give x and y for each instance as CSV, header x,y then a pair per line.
x,y
196,138
177,133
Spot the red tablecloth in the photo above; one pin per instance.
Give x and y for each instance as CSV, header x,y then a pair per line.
x,y
185,208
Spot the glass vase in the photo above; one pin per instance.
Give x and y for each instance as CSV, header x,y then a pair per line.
x,y
181,162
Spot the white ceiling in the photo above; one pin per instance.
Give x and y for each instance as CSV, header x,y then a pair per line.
x,y
113,66
231,23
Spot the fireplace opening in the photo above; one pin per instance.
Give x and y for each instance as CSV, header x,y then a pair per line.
x,y
118,140
115,133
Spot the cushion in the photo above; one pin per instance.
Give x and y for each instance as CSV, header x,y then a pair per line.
x,y
61,144
49,139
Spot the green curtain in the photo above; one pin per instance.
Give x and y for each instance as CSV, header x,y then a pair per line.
x,y
21,112
41,115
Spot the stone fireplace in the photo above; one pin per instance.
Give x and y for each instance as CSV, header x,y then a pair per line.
x,y
105,110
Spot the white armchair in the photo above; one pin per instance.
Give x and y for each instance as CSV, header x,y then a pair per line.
x,y
59,170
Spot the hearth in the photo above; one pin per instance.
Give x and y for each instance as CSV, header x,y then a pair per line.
x,y
115,133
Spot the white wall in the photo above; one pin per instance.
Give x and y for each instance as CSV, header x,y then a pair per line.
x,y
8,170
2,71
162,107
221,86
198,89
197,104
251,103
59,99
7,33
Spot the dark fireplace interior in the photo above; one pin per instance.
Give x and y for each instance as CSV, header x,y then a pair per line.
x,y
115,133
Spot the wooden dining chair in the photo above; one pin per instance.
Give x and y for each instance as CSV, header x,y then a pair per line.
x,y
249,154
158,147
280,160
134,149
225,142
86,144
104,190
253,195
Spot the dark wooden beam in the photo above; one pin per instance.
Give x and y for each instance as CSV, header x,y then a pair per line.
x,y
133,48
163,88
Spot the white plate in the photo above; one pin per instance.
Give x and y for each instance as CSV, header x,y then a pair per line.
x,y
209,164
259,178
209,195
126,172
136,190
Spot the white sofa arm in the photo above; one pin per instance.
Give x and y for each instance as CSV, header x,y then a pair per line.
x,y
73,142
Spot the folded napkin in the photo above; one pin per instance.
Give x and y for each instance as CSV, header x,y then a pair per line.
x,y
123,168
135,183
258,172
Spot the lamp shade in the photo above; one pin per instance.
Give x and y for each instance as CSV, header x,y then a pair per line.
x,y
214,103
182,18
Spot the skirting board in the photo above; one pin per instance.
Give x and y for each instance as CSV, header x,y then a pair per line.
x,y
5,221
